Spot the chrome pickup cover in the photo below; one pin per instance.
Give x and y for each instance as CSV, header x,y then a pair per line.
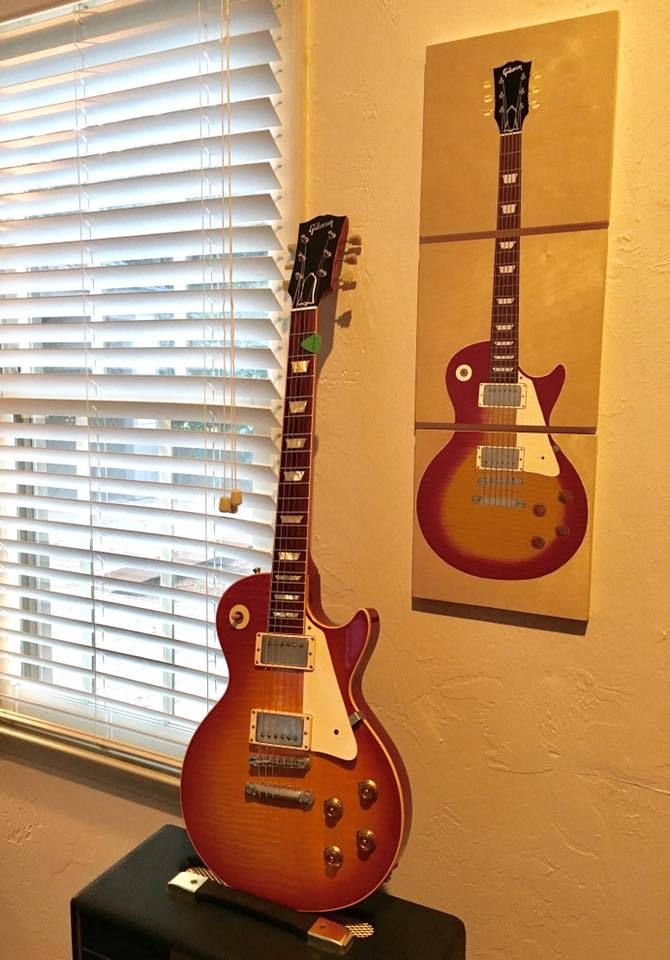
x,y
500,458
502,395
293,730
284,652
268,793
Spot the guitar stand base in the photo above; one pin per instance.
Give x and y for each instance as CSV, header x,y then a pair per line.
x,y
327,933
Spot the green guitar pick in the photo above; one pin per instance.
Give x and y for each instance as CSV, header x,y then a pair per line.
x,y
312,344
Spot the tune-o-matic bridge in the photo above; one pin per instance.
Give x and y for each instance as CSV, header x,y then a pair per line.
x,y
268,793
293,730
272,763
284,651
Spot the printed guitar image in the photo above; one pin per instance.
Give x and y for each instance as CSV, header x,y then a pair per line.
x,y
502,500
291,789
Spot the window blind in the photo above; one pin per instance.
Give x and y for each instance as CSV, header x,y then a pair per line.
x,y
140,347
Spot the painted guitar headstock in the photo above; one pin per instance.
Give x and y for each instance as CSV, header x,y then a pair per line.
x,y
318,259
511,82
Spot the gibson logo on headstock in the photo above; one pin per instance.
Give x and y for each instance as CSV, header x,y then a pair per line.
x,y
508,70
319,225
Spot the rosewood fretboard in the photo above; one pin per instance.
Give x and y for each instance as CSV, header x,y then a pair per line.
x,y
504,360
286,612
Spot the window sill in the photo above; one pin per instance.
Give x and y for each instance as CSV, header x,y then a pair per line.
x,y
26,744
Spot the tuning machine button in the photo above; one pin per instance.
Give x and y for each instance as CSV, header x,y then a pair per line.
x,y
333,809
333,856
366,841
367,791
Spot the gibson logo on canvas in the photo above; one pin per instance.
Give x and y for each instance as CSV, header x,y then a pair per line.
x,y
319,225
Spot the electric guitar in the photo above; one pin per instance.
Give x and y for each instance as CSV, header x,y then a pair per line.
x,y
291,789
502,500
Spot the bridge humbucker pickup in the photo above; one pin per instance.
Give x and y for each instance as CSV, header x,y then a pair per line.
x,y
292,730
268,793
284,651
500,458
270,763
502,395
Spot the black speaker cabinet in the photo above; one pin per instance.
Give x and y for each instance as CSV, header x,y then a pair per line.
x,y
129,914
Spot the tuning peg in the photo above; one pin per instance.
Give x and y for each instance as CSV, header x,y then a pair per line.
x,y
535,105
292,247
289,265
346,281
285,285
355,240
350,258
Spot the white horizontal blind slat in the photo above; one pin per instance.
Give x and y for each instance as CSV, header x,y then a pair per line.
x,y
141,347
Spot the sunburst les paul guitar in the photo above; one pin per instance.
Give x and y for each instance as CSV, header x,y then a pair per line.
x,y
502,500
291,790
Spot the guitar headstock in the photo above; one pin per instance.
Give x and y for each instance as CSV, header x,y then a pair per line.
x,y
318,259
511,83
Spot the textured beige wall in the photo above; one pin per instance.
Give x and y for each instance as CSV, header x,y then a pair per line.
x,y
539,760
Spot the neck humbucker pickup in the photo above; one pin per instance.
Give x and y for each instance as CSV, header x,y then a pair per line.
x,y
284,651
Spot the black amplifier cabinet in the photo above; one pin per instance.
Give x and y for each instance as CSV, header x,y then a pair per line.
x,y
129,914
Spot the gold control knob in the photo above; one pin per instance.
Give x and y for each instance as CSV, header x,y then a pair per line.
x,y
333,856
333,808
366,841
367,791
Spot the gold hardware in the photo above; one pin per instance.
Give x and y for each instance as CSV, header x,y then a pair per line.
x,y
355,240
333,808
335,934
367,791
333,856
366,841
346,281
238,616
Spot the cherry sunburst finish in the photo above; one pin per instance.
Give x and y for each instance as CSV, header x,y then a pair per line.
x,y
502,500
291,789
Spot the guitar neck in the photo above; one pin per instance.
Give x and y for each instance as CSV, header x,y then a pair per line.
x,y
286,612
504,360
